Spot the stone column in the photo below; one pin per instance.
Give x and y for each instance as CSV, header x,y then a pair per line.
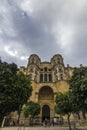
x,y
47,77
36,96
54,100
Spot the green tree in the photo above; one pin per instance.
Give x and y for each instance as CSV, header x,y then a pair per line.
x,y
64,105
7,77
23,90
78,86
15,89
31,108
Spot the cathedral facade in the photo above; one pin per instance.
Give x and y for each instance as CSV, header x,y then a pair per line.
x,y
48,78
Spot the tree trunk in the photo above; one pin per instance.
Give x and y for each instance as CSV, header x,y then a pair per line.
x,y
19,113
78,116
69,122
83,113
1,120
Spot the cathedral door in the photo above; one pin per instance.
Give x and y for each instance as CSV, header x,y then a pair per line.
x,y
45,112
46,101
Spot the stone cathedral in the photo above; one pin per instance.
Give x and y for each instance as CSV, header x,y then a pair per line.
x,y
48,78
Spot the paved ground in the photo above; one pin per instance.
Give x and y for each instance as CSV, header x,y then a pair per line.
x,y
41,128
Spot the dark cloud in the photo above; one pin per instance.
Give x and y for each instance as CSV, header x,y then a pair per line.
x,y
44,28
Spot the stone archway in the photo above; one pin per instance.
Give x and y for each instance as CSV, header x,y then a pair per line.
x,y
46,93
45,112
46,100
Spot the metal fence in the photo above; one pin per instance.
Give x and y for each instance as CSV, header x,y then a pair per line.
x,y
37,121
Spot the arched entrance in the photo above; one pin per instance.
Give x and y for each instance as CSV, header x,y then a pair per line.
x,y
46,100
45,112
46,93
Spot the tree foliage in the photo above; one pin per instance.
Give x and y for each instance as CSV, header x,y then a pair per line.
x,y
23,90
7,81
31,108
78,86
64,105
15,88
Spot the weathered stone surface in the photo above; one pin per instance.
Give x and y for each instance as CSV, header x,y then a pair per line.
x,y
48,78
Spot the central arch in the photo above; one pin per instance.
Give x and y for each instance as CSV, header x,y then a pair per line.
x,y
45,112
46,93
46,98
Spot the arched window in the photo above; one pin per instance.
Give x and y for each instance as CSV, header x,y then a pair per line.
x,y
45,69
41,77
60,70
61,76
45,77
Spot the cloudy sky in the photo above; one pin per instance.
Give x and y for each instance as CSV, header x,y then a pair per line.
x,y
45,28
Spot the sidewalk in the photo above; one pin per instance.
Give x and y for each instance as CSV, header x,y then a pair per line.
x,y
34,128
40,128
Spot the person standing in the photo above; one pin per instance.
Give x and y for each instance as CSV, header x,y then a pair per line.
x,y
45,121
53,121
